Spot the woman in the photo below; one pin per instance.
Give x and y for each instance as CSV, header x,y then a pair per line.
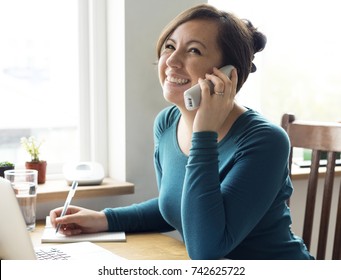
x,y
222,169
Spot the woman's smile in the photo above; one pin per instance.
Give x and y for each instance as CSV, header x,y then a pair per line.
x,y
177,81
188,54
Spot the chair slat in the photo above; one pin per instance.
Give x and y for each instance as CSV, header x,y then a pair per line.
x,y
311,198
337,237
326,205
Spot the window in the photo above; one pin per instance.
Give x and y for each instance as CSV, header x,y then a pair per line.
x,y
299,70
39,78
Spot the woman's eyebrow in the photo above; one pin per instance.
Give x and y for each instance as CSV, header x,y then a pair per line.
x,y
197,42
189,42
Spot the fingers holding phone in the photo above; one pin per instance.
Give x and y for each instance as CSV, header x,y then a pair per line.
x,y
218,91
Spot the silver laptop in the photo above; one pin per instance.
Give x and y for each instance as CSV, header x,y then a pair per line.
x,y
15,240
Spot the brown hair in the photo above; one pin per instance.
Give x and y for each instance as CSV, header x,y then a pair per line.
x,y
238,39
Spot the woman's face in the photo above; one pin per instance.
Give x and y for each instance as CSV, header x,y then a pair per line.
x,y
188,54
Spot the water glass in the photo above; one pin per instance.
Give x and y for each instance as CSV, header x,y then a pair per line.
x,y
24,183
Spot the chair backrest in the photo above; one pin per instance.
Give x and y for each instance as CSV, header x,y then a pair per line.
x,y
319,137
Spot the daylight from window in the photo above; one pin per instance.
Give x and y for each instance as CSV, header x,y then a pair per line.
x,y
299,70
39,78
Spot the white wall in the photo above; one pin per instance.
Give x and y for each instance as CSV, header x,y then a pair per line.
x,y
133,79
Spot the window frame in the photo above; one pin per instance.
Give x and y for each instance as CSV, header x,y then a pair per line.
x,y
92,86
93,81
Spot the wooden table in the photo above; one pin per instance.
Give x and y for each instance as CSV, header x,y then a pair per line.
x,y
139,246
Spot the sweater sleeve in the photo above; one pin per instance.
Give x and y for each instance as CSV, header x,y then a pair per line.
x,y
141,217
220,209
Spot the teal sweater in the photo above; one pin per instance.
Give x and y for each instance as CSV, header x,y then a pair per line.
x,y
227,199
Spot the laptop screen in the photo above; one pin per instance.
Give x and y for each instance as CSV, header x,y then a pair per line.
x,y
15,241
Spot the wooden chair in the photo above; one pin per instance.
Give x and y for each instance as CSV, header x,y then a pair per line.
x,y
318,137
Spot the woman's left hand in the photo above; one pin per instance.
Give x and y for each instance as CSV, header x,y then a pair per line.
x,y
215,108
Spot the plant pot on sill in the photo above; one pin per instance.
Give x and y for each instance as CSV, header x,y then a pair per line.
x,y
40,166
4,168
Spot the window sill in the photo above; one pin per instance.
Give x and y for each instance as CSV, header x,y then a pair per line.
x,y
299,173
58,189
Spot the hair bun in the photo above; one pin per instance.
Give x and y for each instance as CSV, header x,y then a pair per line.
x,y
259,39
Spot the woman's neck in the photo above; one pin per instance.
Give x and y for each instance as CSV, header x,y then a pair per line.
x,y
185,126
187,119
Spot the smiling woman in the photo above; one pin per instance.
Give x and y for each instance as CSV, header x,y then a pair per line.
x,y
214,165
202,53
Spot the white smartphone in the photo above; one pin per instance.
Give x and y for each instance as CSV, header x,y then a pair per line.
x,y
192,96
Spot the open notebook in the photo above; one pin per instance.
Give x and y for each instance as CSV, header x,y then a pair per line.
x,y
50,235
15,240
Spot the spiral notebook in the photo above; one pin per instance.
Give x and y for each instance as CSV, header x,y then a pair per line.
x,y
50,236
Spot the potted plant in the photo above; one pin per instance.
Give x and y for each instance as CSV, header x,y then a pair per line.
x,y
5,165
32,146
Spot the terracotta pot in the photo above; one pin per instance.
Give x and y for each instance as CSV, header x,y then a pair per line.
x,y
40,166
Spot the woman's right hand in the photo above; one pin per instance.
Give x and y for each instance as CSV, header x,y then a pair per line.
x,y
78,220
215,108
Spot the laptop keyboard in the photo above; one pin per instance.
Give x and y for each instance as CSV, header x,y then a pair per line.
x,y
51,254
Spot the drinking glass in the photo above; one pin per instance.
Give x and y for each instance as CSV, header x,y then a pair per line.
x,y
24,183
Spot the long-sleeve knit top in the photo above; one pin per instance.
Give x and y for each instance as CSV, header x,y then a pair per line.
x,y
227,199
